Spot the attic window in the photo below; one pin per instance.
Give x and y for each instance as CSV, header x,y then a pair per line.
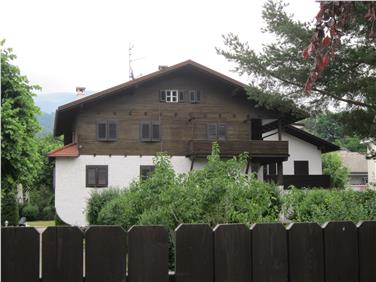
x,y
169,96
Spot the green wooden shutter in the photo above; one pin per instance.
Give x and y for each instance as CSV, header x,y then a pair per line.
x,y
112,130
221,131
162,95
156,133
145,131
90,176
212,131
102,176
101,130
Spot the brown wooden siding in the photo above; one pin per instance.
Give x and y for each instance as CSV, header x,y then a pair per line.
x,y
180,122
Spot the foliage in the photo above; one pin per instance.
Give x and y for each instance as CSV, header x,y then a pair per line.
x,y
30,211
320,205
333,21
218,193
97,201
20,162
280,69
9,207
330,127
332,165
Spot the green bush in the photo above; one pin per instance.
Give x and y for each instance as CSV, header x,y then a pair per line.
x,y
31,212
43,198
97,201
320,205
219,193
332,165
9,208
48,213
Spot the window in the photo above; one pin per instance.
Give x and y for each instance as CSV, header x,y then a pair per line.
x,y
301,167
194,96
216,131
150,131
145,171
172,96
169,96
96,176
272,169
106,130
256,129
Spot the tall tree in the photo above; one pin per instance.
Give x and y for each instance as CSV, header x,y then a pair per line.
x,y
280,69
19,158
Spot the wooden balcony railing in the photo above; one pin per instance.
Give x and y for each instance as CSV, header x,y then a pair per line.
x,y
255,148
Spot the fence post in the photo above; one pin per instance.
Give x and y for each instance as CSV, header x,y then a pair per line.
x,y
148,254
232,253
306,252
62,254
341,251
367,250
269,252
105,254
194,253
19,254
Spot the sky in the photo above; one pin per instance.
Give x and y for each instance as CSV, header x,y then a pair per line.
x,y
64,44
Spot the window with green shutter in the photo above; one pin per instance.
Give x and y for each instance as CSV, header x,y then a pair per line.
x,y
96,176
107,130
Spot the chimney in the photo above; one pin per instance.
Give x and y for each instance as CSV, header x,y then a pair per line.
x,y
80,91
162,67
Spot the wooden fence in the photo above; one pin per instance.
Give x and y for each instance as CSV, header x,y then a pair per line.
x,y
336,251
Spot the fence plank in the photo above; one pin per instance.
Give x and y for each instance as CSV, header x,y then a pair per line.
x,y
232,253
269,252
62,254
306,252
194,253
105,254
367,250
19,254
148,254
341,251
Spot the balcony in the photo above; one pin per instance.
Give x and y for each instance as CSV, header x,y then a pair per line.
x,y
255,148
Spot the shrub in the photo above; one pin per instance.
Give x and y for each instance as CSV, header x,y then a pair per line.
x,y
332,165
320,205
30,212
219,193
9,208
97,201
42,197
48,213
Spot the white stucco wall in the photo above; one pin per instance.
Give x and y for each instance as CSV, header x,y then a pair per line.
x,y
71,193
371,148
300,150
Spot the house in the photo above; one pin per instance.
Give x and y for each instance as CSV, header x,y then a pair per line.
x,y
356,163
371,161
112,136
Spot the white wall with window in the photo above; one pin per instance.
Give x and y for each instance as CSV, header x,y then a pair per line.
x,y
300,150
73,188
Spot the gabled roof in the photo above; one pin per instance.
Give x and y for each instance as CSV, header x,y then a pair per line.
x,y
355,162
147,77
64,113
70,150
324,145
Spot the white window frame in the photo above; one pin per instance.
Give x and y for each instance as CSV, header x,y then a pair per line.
x,y
172,95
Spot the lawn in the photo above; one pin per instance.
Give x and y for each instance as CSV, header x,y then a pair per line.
x,y
41,223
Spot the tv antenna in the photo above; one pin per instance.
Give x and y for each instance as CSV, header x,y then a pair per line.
x,y
131,60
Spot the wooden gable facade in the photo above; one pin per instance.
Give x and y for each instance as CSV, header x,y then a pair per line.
x,y
142,118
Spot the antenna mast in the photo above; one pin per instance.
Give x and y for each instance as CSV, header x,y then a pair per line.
x,y
131,75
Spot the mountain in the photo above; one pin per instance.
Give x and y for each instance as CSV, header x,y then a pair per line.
x,y
46,120
48,102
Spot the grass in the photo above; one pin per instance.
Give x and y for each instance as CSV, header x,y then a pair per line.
x,y
41,223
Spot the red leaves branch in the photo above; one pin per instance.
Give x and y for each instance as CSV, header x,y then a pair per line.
x,y
330,22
